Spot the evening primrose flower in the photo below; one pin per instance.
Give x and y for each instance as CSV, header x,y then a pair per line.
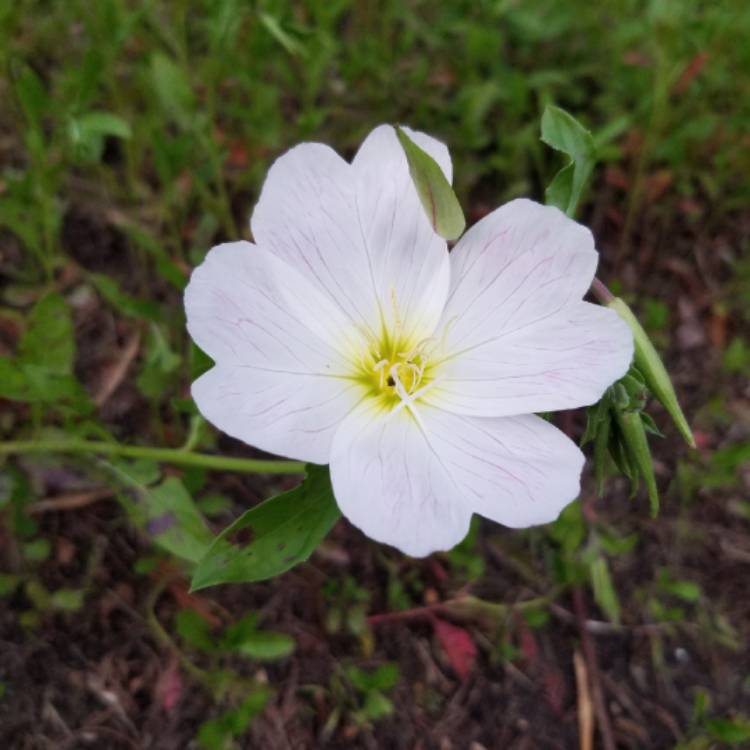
x,y
348,335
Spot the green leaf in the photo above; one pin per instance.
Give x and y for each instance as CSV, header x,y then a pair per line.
x,y
377,706
244,638
167,511
601,443
559,191
37,550
194,630
435,192
9,582
652,368
732,731
218,733
604,590
32,95
124,303
13,383
160,364
100,123
48,340
273,537
87,132
688,591
635,442
172,89
174,522
286,40
564,133
67,600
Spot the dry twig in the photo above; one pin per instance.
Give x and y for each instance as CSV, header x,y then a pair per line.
x,y
585,709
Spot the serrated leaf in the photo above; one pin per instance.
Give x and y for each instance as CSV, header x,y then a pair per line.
x,y
435,192
273,537
652,368
564,133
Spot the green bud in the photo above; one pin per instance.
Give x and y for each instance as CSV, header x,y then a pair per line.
x,y
435,192
649,363
635,442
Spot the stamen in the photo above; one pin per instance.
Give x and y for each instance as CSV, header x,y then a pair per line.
x,y
396,312
409,403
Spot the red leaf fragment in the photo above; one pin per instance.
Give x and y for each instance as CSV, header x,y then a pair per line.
x,y
458,645
527,643
168,689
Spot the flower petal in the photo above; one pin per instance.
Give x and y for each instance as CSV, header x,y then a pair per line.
x,y
388,483
280,347
518,471
415,486
515,267
516,337
562,362
286,413
410,259
358,231
245,306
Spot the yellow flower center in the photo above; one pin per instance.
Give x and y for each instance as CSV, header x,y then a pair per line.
x,y
393,371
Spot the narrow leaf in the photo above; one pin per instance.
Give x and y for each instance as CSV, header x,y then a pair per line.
x,y
650,365
286,40
435,192
124,303
273,537
604,590
636,443
601,441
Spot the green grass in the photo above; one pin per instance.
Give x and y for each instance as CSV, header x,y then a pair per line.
x,y
167,114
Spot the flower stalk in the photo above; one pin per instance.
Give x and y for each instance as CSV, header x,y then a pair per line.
x,y
177,456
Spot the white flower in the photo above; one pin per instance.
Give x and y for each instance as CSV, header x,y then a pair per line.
x,y
347,334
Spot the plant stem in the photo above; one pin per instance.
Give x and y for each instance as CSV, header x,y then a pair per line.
x,y
600,291
163,455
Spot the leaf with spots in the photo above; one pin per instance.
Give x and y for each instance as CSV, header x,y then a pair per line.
x,y
174,521
166,510
273,537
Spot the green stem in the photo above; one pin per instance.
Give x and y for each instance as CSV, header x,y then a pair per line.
x,y
163,455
